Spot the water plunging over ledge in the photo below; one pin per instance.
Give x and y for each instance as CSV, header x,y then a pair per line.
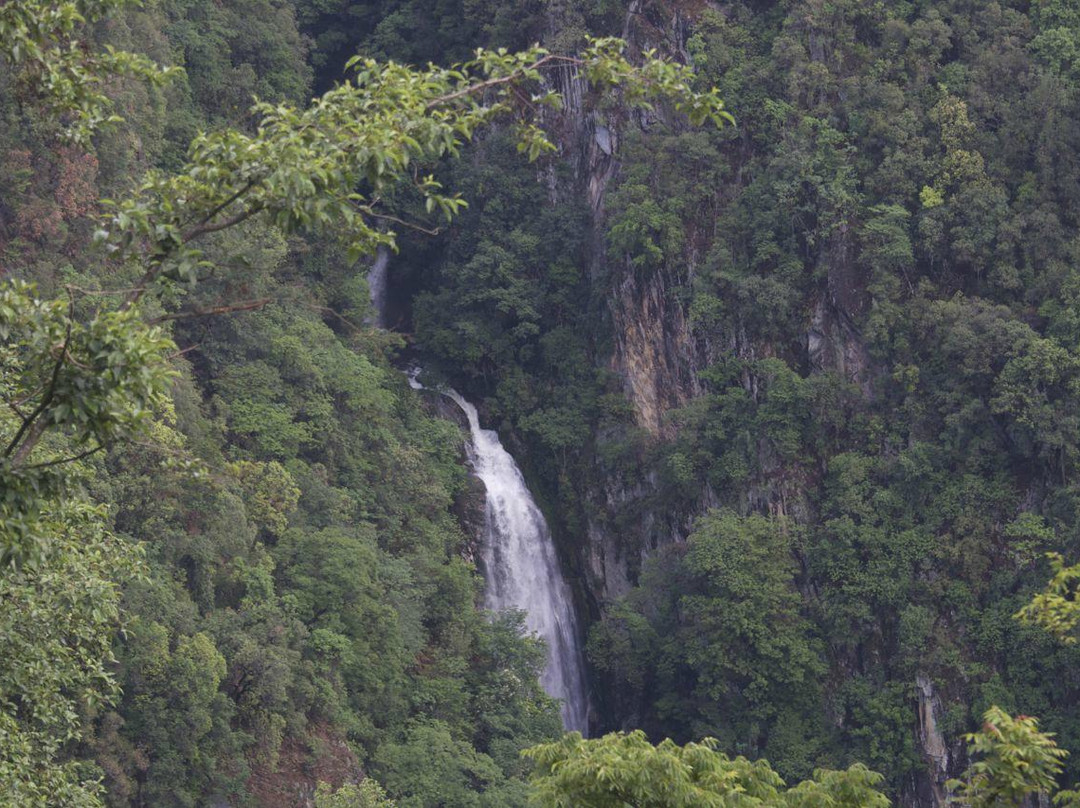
x,y
520,566
377,280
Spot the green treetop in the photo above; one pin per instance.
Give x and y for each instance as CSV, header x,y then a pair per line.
x,y
624,769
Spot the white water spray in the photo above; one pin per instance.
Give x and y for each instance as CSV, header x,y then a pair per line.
x,y
521,569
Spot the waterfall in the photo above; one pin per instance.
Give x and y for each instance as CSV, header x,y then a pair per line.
x,y
521,569
376,280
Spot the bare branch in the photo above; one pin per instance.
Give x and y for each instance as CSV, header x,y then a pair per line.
x,y
219,208
225,224
98,292
13,406
197,231
30,430
247,305
181,352
328,310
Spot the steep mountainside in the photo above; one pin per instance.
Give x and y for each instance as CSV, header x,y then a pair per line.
x,y
799,399
846,327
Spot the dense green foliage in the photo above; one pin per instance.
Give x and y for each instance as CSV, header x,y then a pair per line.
x,y
859,318
57,618
1056,608
41,42
625,769
296,592
368,794
1016,762
305,602
854,448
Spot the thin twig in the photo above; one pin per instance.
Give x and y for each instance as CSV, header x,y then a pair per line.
x,y
15,409
98,292
427,231
480,87
26,399
63,460
197,231
523,98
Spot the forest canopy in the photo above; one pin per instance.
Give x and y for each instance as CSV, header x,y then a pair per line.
x,y
797,392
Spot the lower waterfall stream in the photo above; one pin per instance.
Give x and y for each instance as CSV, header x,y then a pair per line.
x,y
521,569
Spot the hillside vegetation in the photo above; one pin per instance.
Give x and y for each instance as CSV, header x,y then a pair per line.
x,y
799,392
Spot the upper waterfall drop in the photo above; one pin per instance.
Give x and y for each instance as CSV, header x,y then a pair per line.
x,y
377,279
521,568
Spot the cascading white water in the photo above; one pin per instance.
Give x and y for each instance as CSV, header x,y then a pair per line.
x,y
376,280
521,569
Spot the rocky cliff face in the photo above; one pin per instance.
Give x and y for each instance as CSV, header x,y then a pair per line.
x,y
932,744
654,352
658,357
652,349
